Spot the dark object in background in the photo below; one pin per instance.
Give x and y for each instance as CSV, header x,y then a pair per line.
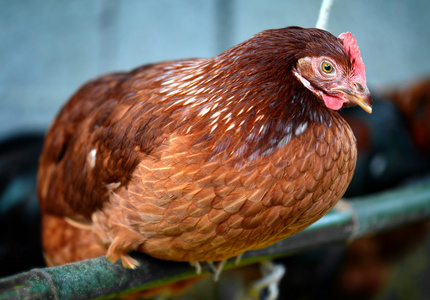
x,y
368,262
20,247
414,105
394,143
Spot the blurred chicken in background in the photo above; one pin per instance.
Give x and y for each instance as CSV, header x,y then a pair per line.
x,y
395,145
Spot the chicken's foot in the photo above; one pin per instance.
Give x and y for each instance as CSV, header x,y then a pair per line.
x,y
197,266
125,241
238,258
272,275
216,270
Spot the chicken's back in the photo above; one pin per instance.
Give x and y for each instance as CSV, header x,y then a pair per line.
x,y
91,143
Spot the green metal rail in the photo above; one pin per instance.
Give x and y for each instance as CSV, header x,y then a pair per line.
x,y
97,278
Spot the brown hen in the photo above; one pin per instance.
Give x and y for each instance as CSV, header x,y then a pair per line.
x,y
203,159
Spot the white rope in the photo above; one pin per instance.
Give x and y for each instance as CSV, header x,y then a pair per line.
x,y
324,14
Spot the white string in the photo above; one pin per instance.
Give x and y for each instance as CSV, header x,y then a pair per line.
x,y
324,14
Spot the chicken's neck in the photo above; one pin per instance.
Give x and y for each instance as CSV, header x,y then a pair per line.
x,y
242,113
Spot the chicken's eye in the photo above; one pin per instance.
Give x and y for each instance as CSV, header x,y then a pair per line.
x,y
327,67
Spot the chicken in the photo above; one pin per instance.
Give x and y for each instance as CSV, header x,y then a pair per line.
x,y
201,160
413,102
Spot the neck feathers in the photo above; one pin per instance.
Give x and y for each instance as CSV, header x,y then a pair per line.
x,y
246,101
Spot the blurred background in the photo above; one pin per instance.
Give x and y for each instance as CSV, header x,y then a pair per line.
x,y
49,48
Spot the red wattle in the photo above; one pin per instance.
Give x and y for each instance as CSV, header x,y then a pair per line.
x,y
334,103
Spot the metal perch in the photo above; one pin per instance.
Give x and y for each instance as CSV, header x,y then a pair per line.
x,y
98,278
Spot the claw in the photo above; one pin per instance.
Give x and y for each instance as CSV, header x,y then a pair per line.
x,y
129,262
238,258
120,250
216,270
196,265
112,254
272,275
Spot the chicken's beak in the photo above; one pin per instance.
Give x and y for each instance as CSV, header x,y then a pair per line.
x,y
358,95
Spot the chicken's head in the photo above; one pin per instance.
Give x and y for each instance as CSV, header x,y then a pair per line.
x,y
338,81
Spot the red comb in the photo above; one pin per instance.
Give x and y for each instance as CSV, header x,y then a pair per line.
x,y
350,45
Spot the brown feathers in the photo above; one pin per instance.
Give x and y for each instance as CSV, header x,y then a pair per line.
x,y
200,160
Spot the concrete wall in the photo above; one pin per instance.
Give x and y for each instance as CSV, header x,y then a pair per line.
x,y
48,48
